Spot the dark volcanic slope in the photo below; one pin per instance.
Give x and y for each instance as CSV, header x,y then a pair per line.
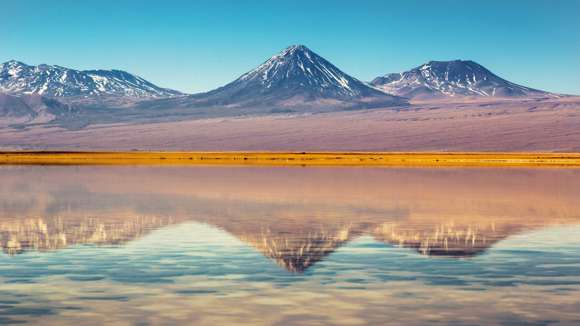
x,y
296,78
56,81
449,79
32,108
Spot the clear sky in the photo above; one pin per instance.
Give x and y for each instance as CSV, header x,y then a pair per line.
x,y
196,46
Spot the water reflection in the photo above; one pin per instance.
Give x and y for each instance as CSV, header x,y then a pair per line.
x,y
293,216
132,235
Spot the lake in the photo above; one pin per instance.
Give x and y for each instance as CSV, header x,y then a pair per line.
x,y
280,246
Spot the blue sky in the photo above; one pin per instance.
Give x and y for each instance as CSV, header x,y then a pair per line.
x,y
196,46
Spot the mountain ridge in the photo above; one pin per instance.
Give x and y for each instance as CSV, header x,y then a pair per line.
x,y
456,78
18,78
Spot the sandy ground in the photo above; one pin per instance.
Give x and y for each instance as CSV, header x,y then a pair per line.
x,y
550,125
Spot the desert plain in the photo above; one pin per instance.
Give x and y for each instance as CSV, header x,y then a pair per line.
x,y
479,125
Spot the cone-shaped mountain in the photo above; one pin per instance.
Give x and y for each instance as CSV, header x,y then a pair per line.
x,y
296,78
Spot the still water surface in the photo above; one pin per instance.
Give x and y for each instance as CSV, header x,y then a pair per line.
x,y
341,246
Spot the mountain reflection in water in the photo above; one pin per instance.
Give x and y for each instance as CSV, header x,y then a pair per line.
x,y
294,216
143,245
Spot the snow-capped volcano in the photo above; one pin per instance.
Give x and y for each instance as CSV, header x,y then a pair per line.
x,y
449,79
297,68
295,78
56,81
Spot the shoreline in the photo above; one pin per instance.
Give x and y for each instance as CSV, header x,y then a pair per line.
x,y
292,158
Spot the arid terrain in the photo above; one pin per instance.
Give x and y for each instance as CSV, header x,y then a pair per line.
x,y
527,125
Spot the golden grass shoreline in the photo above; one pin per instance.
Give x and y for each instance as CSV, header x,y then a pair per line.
x,y
291,158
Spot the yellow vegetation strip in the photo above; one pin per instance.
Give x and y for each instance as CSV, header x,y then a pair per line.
x,y
273,158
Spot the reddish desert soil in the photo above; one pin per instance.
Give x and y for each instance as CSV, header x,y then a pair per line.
x,y
530,125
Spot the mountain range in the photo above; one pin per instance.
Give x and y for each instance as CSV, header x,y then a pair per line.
x,y
296,80
56,81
